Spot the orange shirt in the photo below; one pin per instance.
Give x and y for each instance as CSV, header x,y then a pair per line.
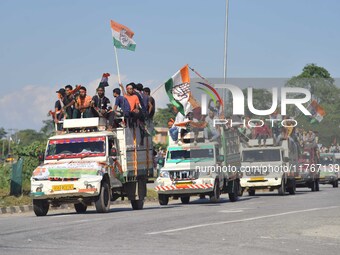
x,y
133,101
85,102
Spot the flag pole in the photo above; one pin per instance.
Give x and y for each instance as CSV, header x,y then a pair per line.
x,y
119,81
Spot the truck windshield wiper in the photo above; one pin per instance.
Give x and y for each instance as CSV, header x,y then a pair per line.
x,y
181,160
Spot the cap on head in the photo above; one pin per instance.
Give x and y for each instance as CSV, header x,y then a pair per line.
x,y
61,91
82,88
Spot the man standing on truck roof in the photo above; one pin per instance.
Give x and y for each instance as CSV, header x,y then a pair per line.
x,y
82,105
59,106
69,104
133,101
152,104
121,108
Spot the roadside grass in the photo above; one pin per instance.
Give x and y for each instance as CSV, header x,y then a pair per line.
x,y
6,200
151,194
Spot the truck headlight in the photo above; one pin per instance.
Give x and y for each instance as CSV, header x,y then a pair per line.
x,y
164,174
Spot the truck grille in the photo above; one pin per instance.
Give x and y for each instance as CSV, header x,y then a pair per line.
x,y
183,175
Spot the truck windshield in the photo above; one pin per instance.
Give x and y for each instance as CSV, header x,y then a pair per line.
x,y
261,155
191,154
76,148
326,160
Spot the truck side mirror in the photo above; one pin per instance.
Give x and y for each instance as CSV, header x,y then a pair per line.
x,y
113,152
285,159
41,157
220,158
161,162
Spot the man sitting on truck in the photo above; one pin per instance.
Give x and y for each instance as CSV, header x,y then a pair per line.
x,y
173,129
101,106
210,130
262,132
82,105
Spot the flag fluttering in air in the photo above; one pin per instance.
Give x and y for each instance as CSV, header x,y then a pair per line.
x,y
178,89
317,111
122,36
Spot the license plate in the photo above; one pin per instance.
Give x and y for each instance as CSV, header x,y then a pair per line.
x,y
257,178
183,183
63,187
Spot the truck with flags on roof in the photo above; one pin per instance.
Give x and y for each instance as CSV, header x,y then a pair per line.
x,y
97,167
196,164
201,168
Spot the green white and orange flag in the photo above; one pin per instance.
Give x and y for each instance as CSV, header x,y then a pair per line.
x,y
122,36
178,89
317,111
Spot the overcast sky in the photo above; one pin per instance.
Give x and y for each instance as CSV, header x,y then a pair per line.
x,y
47,44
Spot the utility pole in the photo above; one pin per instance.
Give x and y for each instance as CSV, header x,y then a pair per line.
x,y
225,94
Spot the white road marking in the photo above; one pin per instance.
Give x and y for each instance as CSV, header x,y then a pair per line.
x,y
241,220
230,211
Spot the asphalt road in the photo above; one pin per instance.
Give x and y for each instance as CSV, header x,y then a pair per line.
x,y
307,223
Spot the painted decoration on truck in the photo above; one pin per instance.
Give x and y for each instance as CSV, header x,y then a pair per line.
x,y
66,170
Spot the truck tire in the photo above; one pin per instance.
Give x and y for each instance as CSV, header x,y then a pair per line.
x,y
251,192
104,199
137,204
335,184
292,188
313,186
40,207
317,185
234,195
80,208
282,189
185,200
215,196
163,199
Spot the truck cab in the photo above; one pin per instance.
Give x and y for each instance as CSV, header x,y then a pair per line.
x,y
268,168
92,167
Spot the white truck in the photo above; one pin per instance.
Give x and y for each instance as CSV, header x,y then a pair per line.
x,y
268,168
92,167
204,168
329,169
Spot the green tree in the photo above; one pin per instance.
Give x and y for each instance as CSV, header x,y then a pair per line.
x,y
262,100
318,81
28,136
162,116
48,128
322,87
3,133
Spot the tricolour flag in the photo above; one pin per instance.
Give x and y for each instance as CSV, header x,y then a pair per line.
x,y
317,111
178,89
122,36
